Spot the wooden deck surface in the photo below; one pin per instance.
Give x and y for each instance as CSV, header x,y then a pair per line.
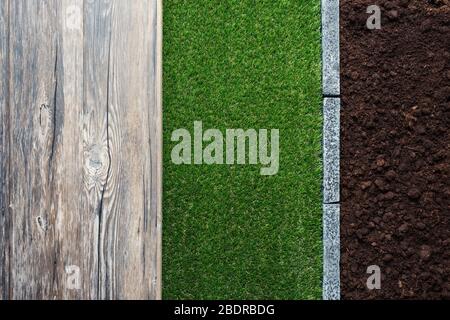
x,y
80,152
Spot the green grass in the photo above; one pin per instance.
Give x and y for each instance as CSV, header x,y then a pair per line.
x,y
230,233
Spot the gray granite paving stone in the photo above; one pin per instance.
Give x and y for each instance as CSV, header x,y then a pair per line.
x,y
331,150
331,254
330,47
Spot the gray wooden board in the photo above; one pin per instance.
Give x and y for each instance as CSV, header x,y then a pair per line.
x,y
4,145
81,151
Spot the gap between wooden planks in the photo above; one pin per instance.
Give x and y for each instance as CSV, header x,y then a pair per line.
x,y
81,149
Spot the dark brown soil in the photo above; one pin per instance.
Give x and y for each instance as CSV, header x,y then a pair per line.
x,y
396,149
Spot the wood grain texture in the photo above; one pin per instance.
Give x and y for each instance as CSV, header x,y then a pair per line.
x,y
81,149
4,146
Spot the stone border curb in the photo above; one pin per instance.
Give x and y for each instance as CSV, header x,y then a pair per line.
x,y
331,149
330,48
332,252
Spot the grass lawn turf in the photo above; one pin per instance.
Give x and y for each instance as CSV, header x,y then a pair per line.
x,y
228,232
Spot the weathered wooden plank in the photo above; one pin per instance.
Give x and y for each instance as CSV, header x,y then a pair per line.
x,y
84,125
130,227
35,128
4,145
97,154
78,217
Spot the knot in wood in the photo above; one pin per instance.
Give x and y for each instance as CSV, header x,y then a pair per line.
x,y
96,165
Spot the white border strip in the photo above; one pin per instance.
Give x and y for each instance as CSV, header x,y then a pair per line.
x,y
331,149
